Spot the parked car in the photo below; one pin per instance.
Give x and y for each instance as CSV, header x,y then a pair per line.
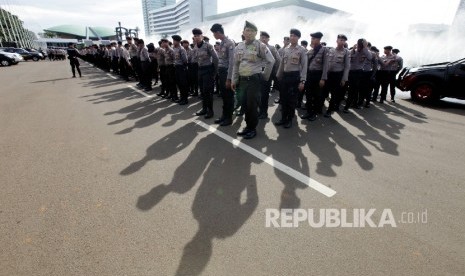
x,y
16,57
6,60
25,54
431,82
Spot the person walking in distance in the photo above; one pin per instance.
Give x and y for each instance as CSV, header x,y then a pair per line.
x,y
73,54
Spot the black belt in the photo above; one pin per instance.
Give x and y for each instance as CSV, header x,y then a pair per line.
x,y
291,73
205,67
252,77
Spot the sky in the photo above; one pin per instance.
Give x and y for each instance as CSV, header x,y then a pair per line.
x,y
39,15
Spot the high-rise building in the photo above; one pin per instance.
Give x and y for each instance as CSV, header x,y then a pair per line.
x,y
167,20
148,5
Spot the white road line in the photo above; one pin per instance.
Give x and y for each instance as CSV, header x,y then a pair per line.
x,y
113,77
140,92
317,186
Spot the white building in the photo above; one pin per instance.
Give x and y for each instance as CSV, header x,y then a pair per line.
x,y
167,20
148,5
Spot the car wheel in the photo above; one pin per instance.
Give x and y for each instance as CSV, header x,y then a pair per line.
x,y
424,92
35,59
5,63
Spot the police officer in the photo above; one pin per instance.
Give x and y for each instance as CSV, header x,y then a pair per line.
x,y
207,58
193,71
359,74
249,58
376,82
180,65
225,64
73,54
390,67
316,77
266,85
161,65
338,73
292,73
145,66
281,54
170,73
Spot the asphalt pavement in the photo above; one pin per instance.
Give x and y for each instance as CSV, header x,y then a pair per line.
x,y
97,178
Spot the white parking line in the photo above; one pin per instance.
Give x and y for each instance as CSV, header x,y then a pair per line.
x,y
140,92
113,77
317,186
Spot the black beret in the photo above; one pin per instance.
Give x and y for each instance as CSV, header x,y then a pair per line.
x,y
176,37
250,26
164,40
141,41
294,32
128,38
388,48
206,38
264,34
197,31
395,51
341,36
317,35
217,28
374,49
304,42
185,41
120,43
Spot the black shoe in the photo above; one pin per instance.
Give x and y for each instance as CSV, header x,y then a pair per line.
x,y
288,124
73,76
280,122
243,132
209,115
183,102
346,110
312,117
367,106
358,107
161,94
392,100
148,89
381,102
201,112
327,114
306,116
176,100
263,116
226,122
276,101
219,120
195,94
251,134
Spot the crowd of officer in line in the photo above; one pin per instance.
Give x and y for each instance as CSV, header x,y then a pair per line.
x,y
245,73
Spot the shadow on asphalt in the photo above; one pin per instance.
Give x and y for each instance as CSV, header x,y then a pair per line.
x,y
217,206
52,80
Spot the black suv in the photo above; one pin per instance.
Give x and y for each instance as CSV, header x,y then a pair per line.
x,y
35,56
431,82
